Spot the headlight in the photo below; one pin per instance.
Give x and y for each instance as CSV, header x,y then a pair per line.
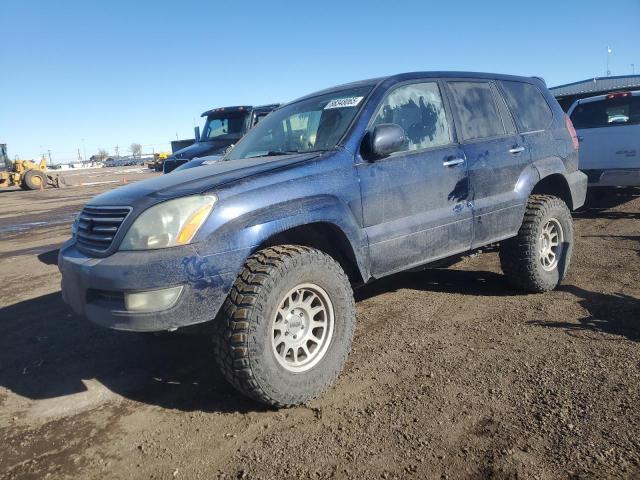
x,y
169,224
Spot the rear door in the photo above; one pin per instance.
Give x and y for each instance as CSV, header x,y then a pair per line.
x,y
414,201
608,128
496,155
533,117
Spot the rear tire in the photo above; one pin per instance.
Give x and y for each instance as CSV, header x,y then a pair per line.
x,y
537,259
285,330
34,180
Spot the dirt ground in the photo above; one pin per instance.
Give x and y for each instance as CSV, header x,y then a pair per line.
x,y
453,374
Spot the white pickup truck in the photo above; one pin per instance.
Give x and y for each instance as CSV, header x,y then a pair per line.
x,y
608,128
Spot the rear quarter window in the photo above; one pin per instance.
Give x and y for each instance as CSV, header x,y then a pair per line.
x,y
475,105
528,104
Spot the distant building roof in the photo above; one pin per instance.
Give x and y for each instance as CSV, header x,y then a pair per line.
x,y
597,85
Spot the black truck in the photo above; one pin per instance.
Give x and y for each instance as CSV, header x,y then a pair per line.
x,y
223,128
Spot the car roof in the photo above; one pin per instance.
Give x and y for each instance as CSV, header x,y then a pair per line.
x,y
266,108
595,98
239,108
599,98
402,77
242,108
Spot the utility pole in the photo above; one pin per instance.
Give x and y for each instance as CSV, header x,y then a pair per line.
x,y
50,161
79,156
117,148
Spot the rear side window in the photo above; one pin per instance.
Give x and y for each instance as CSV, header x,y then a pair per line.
x,y
417,108
607,113
528,104
476,108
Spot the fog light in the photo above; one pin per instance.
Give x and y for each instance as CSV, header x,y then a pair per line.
x,y
152,301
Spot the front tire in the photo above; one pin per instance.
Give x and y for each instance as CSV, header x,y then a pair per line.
x,y
537,259
285,330
34,180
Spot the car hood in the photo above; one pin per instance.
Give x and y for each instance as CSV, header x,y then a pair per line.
x,y
196,180
200,149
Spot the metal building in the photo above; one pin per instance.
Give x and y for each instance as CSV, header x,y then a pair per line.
x,y
569,93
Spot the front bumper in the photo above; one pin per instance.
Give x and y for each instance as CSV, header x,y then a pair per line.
x,y
95,287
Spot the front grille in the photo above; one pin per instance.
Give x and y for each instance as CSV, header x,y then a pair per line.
x,y
97,226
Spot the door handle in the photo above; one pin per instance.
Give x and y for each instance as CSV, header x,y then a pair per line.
x,y
516,150
452,162
580,139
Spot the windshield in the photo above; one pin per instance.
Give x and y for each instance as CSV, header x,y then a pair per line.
x,y
314,124
221,124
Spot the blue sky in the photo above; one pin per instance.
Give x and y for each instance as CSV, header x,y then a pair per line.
x,y
112,73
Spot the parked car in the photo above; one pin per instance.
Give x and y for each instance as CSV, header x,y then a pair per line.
x,y
223,128
333,190
122,162
608,129
199,162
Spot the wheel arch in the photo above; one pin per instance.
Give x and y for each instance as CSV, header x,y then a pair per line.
x,y
548,176
555,184
321,222
326,237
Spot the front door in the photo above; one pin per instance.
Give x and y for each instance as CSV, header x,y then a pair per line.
x,y
415,201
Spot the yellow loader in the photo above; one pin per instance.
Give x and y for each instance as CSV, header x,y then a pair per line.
x,y
158,161
26,174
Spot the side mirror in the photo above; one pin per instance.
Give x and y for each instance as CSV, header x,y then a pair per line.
x,y
196,131
386,138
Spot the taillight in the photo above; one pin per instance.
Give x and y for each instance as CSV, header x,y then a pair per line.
x,y
572,131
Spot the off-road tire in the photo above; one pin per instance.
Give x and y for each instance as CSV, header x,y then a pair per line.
x,y
34,180
243,338
520,257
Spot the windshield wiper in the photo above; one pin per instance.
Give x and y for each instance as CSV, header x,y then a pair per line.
x,y
275,153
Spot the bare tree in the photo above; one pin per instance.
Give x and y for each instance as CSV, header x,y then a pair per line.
x,y
100,156
136,150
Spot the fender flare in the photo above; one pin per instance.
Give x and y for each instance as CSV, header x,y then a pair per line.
x,y
248,231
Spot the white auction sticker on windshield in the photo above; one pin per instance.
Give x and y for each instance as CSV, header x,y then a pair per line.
x,y
344,102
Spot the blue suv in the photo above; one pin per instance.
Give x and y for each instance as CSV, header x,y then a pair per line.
x,y
328,192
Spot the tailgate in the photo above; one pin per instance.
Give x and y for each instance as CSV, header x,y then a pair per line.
x,y
609,147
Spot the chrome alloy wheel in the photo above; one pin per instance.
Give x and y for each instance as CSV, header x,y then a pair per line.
x,y
302,328
550,242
